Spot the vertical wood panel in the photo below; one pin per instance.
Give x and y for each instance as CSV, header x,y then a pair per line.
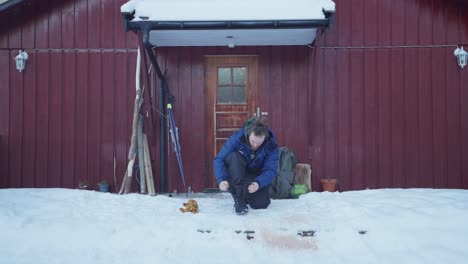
x,y
107,23
464,125
42,119
55,120
131,93
42,25
439,106
4,117
119,33
385,122
81,117
357,120
94,23
411,119
81,24
331,114
29,122
28,12
398,23
464,26
425,118
397,121
453,121
411,22
69,115
107,121
384,22
344,119
302,104
14,35
453,27
289,92
55,24
276,84
186,109
198,118
344,21
425,23
4,27
370,25
68,25
357,22
174,177
264,61
120,114
94,117
371,118
439,20
16,125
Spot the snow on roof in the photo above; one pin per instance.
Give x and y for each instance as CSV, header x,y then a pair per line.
x,y
220,10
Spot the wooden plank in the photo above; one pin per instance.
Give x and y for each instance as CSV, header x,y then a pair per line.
x,y
29,121
464,122
344,119
275,90
411,22
384,111
94,24
94,117
14,33
317,134
411,136
302,123
357,122
343,23
464,27
264,61
439,123
55,24
107,117
452,83
148,171
81,117
370,25
331,114
29,12
397,118
42,119
69,126
120,111
384,22
107,23
172,67
55,120
425,23
16,125
425,119
439,22
81,24
131,93
371,118
4,117
5,21
398,23
42,26
185,120
119,34
357,22
197,77
68,25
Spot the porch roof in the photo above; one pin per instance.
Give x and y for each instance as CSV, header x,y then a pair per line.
x,y
228,23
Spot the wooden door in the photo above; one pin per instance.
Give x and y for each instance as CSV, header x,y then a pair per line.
x,y
231,98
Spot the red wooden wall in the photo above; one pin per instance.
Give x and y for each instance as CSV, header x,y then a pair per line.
x,y
380,102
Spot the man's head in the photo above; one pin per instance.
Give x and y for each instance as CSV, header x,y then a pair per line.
x,y
257,132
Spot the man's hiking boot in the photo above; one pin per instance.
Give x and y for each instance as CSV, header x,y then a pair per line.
x,y
239,205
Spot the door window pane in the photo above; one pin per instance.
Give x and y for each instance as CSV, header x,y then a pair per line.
x,y
224,94
224,76
238,94
238,75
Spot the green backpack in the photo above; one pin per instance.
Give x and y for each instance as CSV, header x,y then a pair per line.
x,y
280,187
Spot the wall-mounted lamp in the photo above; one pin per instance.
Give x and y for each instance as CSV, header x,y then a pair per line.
x,y
20,60
462,56
230,41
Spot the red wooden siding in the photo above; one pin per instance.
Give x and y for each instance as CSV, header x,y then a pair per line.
x,y
379,102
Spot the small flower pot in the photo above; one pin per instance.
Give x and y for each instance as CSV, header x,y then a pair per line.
x,y
328,185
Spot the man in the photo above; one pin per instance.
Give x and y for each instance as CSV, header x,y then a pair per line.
x,y
247,164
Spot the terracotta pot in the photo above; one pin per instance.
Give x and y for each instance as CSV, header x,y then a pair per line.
x,y
328,185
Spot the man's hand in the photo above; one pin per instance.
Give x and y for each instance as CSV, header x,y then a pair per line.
x,y
253,187
224,186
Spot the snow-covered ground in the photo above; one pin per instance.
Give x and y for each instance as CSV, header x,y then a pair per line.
x,y
74,226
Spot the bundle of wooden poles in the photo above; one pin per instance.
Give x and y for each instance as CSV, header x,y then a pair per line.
x,y
139,147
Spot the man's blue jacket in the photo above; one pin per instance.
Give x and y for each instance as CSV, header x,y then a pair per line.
x,y
264,163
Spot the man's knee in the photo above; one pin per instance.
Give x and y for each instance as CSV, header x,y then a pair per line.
x,y
259,203
235,158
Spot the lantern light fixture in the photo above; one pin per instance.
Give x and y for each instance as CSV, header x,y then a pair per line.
x,y
462,56
20,60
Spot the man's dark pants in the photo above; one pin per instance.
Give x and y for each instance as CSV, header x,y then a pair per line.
x,y
240,178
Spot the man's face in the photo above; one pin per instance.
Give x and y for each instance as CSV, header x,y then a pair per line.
x,y
256,141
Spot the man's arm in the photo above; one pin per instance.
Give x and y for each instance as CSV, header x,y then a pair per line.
x,y
270,168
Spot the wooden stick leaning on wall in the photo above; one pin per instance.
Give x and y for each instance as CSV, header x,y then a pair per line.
x,y
148,171
127,180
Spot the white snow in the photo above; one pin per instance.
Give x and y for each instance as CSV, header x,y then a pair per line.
x,y
75,226
216,10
